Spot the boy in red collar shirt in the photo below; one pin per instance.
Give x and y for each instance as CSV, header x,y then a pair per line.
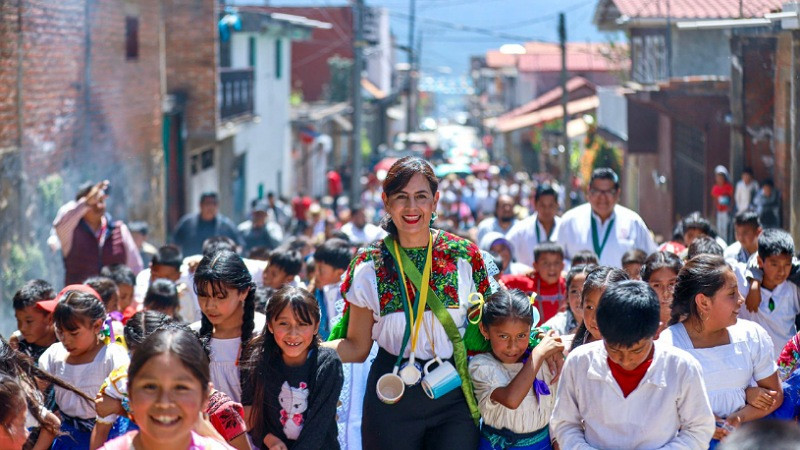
x,y
547,281
654,391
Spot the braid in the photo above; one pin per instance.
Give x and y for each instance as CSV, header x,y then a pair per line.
x,y
206,330
248,320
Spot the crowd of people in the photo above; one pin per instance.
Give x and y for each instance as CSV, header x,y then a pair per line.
x,y
476,314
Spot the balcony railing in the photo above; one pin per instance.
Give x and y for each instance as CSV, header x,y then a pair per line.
x,y
236,90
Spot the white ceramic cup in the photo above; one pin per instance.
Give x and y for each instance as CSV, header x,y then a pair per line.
x,y
390,387
441,380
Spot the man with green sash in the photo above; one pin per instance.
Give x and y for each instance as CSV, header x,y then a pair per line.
x,y
602,226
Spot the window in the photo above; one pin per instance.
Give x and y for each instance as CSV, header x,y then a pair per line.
x,y
131,38
278,58
251,51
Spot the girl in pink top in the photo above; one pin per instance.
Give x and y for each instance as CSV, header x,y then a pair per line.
x,y
168,387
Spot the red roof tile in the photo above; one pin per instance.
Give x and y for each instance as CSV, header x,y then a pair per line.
x,y
546,57
549,98
696,9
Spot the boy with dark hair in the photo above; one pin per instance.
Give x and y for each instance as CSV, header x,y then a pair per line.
x,y
547,280
282,268
125,280
162,296
632,262
654,392
584,257
694,226
331,259
107,289
780,299
704,245
746,227
167,264
35,330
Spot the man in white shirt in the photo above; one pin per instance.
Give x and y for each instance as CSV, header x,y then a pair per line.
x,y
503,218
603,226
627,390
745,192
359,231
540,227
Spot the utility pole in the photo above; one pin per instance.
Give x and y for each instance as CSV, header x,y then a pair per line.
x,y
669,41
358,62
412,18
562,36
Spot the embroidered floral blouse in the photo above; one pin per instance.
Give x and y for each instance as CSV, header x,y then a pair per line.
x,y
372,282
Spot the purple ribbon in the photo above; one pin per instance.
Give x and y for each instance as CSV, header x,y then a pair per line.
x,y
539,386
112,316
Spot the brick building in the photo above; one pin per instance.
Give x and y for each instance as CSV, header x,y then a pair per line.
x,y
80,99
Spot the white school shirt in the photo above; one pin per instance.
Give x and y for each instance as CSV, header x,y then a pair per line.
x,y
669,409
779,323
86,377
224,356
523,237
729,369
629,232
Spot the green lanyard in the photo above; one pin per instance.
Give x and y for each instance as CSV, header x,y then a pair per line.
x,y
599,246
538,237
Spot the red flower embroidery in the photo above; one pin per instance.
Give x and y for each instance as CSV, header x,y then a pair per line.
x,y
386,298
443,266
451,292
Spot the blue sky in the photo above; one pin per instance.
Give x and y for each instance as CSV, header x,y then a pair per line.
x,y
448,48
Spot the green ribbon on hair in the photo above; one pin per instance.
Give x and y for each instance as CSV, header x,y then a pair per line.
x,y
438,308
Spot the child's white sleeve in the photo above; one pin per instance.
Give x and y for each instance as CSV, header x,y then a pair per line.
x,y
566,421
694,410
485,379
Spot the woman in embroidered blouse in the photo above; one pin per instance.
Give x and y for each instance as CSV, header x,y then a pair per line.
x,y
375,300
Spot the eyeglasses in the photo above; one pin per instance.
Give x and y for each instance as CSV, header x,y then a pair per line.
x,y
606,192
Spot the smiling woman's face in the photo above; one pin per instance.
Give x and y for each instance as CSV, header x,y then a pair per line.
x,y
412,207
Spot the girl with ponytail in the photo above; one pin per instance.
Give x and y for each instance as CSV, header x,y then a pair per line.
x,y
226,293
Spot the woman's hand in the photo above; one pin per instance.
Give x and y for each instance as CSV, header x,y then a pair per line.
x,y
273,443
106,406
760,398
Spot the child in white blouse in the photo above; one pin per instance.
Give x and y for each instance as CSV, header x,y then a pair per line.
x,y
512,382
628,391
81,359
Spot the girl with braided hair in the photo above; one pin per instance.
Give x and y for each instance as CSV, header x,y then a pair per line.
x,y
226,293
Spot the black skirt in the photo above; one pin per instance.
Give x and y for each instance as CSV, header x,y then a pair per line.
x,y
415,421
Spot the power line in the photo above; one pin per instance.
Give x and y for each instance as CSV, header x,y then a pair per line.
x,y
546,18
471,29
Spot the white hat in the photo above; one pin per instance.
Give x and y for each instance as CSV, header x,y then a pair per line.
x,y
721,170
